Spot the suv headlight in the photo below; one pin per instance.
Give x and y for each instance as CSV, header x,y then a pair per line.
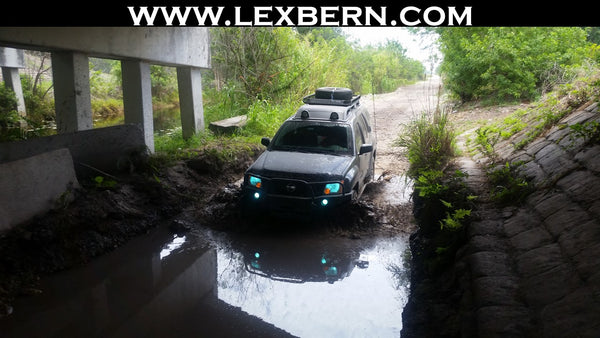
x,y
332,189
255,181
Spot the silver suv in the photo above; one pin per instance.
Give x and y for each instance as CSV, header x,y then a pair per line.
x,y
323,156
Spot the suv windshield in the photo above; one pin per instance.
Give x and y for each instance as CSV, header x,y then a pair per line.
x,y
314,137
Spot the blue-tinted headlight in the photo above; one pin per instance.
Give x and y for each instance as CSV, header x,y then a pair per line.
x,y
332,188
255,181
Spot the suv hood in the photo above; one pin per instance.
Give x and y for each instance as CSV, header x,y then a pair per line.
x,y
298,165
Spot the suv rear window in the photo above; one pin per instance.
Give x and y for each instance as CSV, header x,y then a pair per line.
x,y
314,137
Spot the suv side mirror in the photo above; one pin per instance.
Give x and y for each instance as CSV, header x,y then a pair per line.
x,y
365,148
265,141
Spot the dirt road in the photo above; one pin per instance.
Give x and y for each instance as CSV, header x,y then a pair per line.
x,y
391,111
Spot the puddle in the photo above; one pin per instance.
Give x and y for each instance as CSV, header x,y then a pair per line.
x,y
398,190
170,286
319,288
296,283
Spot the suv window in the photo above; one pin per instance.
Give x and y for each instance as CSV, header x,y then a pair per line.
x,y
314,137
360,138
364,119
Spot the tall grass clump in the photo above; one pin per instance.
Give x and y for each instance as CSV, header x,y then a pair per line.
x,y
441,199
429,141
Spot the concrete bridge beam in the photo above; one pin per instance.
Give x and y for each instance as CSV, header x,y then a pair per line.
x,y
71,76
189,82
137,98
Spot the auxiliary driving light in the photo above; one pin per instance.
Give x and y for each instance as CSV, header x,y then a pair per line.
x,y
256,195
324,202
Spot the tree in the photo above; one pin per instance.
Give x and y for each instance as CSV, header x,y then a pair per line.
x,y
506,63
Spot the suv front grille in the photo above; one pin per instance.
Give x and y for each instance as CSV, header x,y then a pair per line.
x,y
291,188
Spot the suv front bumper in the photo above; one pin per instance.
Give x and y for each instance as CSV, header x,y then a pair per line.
x,y
259,200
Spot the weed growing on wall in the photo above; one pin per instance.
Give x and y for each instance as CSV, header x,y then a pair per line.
x,y
429,141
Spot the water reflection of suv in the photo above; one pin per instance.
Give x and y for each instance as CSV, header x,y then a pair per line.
x,y
321,157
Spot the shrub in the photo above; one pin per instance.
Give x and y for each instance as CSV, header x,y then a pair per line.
x,y
10,120
429,141
504,64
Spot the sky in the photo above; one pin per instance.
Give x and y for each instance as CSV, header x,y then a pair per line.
x,y
415,47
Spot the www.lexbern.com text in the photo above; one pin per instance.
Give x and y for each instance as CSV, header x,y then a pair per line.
x,y
299,16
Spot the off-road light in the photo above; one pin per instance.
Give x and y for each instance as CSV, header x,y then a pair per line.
x,y
331,271
255,181
332,188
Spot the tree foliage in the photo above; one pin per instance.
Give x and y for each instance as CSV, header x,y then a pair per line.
x,y
264,72
507,63
270,63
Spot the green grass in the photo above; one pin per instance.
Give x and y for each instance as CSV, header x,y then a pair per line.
x,y
430,142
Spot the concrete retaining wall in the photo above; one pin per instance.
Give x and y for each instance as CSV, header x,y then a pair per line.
x,y
529,269
110,149
535,268
36,174
34,185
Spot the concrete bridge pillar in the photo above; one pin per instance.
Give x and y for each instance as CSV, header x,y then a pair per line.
x,y
137,98
71,76
189,81
11,60
13,81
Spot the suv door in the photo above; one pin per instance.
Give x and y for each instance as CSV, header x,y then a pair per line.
x,y
364,160
370,138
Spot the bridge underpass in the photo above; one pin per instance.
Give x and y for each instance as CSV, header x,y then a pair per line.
x,y
186,49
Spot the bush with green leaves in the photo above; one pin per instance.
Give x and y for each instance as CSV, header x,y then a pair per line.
x,y
508,187
10,120
442,201
8,106
499,64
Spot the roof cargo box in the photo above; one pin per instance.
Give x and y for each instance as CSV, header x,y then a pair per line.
x,y
333,93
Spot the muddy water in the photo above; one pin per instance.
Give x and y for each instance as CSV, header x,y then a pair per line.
x,y
206,283
165,285
318,288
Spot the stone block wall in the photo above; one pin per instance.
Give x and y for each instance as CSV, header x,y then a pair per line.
x,y
535,268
